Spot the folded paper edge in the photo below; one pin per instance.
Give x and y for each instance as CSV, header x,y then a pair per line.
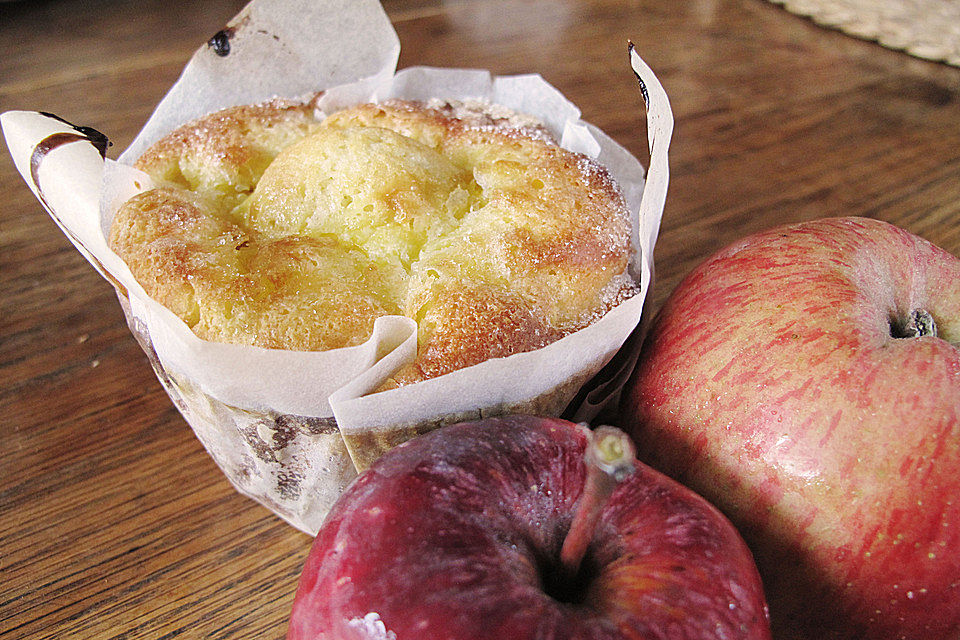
x,y
598,400
360,23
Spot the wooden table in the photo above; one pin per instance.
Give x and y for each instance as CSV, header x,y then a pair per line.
x,y
114,523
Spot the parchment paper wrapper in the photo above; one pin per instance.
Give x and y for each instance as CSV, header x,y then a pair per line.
x,y
292,429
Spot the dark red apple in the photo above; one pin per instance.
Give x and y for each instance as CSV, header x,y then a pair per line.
x,y
806,380
457,535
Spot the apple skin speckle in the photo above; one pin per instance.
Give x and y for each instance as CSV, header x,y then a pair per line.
x,y
462,547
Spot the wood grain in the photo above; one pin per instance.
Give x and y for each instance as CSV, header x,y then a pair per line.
x,y
114,523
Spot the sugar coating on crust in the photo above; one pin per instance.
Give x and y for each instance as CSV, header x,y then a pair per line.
x,y
272,226
222,155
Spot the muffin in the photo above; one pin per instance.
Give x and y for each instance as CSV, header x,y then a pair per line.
x,y
276,226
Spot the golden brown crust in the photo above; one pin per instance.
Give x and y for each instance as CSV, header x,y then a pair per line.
x,y
222,155
231,284
276,230
465,323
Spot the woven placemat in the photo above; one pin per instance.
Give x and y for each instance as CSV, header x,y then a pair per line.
x,y
928,29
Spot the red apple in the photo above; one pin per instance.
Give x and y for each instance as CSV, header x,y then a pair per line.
x,y
806,380
457,535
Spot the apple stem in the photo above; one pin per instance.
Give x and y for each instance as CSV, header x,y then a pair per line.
x,y
609,458
917,324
